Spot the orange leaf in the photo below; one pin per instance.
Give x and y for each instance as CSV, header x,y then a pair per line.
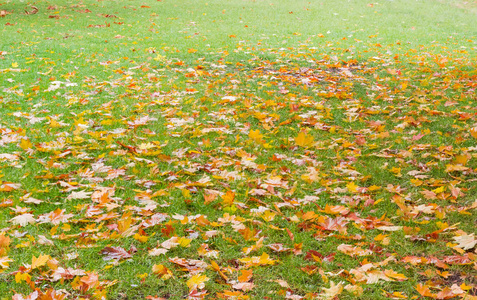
x,y
245,275
4,241
209,198
424,290
473,132
228,198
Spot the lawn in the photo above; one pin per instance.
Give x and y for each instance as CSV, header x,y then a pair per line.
x,y
247,149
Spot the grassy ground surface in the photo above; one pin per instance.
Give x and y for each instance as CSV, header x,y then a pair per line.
x,y
238,149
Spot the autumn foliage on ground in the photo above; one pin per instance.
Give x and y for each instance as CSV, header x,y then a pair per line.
x,y
290,173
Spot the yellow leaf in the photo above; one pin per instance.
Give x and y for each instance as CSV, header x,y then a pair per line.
x,y
197,281
186,193
19,277
304,140
374,188
184,242
416,182
396,171
25,144
265,259
163,272
255,136
352,187
54,124
268,216
452,168
461,159
394,275
14,65
383,238
399,295
140,238
160,57
40,261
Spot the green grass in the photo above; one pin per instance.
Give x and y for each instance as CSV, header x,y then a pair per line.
x,y
182,99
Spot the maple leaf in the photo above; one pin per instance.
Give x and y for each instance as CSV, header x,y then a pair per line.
x,y
354,289
245,275
311,176
209,197
163,272
68,273
55,217
89,281
333,291
304,140
9,186
116,253
32,200
354,250
244,286
336,209
197,281
170,243
278,248
4,241
473,132
389,228
79,195
424,290
228,198
452,168
4,262
465,241
23,219
40,261
196,295
19,277
429,195
157,251
264,259
395,275
255,136
352,187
